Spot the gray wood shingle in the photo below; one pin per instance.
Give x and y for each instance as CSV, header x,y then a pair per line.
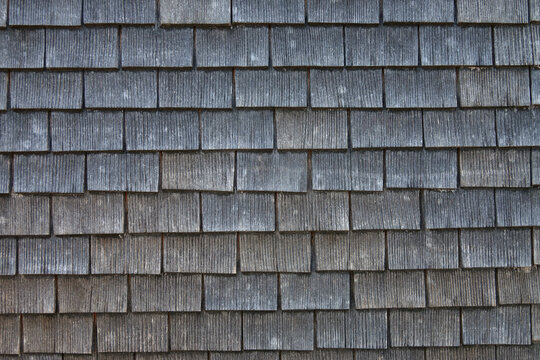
x,y
519,286
54,255
495,168
461,288
96,294
536,246
518,207
426,327
3,13
343,11
518,127
24,215
495,11
322,354
3,90
535,158
26,131
9,334
461,353
534,10
283,88
27,295
195,12
518,352
8,256
119,11
429,11
5,173
244,355
346,88
314,291
391,354
535,322
45,13
184,355
535,84
513,45
196,89
45,90
268,11
123,89
22,49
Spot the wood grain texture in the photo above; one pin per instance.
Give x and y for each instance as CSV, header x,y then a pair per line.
x,y
27,295
460,128
518,207
119,11
245,355
196,89
95,294
24,215
5,174
519,286
8,256
314,291
166,293
284,88
195,12
123,89
497,11
322,354
37,13
461,288
68,334
46,90
518,352
264,11
418,11
495,168
461,353
518,128
9,334
513,45
426,327
246,292
22,49
342,11
391,354
21,132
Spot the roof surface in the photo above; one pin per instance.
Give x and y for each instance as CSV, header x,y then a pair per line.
x,y
269,179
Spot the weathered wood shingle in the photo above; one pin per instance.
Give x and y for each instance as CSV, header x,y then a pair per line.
x,y
55,255
284,88
23,131
9,334
24,215
5,174
518,207
49,13
418,11
268,11
342,11
45,90
22,49
518,127
461,288
519,286
195,12
123,89
96,294
428,327
8,256
513,45
495,11
196,89
119,11
27,295
314,291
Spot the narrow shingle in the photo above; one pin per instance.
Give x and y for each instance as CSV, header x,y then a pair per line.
x,y
462,353
26,131
86,131
195,12
3,90
268,11
204,253
460,288
493,11
126,254
234,47
493,87
390,209
8,256
497,326
422,11
9,334
96,294
122,172
249,129
275,252
518,352
168,293
48,173
275,171
455,46
212,171
246,292
151,47
535,319
206,331
519,286
82,48
420,88
5,174
535,84
381,46
535,156
281,89
289,330
88,214
132,333
518,127
389,289
342,11
346,88
427,327
518,207
119,11
164,130
536,246
459,128
22,49
535,10
196,89
55,255
459,208
513,45
423,250
45,90
314,291
238,212
27,295
495,168
301,46
123,89
45,13
3,13
307,129
496,248
24,215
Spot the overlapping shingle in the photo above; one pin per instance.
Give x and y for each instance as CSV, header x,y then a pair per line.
x,y
519,286
284,88
22,49
513,45
45,90
427,327
268,11
49,13
24,215
55,255
342,11
10,330
518,207
119,11
20,132
418,11
314,291
246,292
27,295
196,89
495,11
195,12
96,294
518,128
461,288
8,258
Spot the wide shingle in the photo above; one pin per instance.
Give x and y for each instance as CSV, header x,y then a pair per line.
x,y
5,173
27,295
351,251
22,49
420,88
268,11
212,171
313,211
513,45
346,88
275,252
519,286
82,48
427,327
307,129
495,11
276,171
10,332
84,294
206,331
48,13
246,292
518,207
381,46
132,333
8,256
169,292
391,354
459,208
500,325
48,173
461,353
389,289
234,47
123,89
195,12
492,87
26,131
122,172
418,11
68,334
289,330
88,214
495,168
55,255
455,46
151,47
126,254
24,215
422,250
301,46
459,128
352,329
195,89
162,130
205,253
163,212
238,212
45,90
356,170
282,88
342,11
86,131
119,11
461,288
314,291
390,209
518,127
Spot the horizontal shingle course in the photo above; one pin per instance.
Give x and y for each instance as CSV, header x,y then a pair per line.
x,y
518,352
494,11
314,291
268,11
418,11
48,13
22,49
195,12
119,11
